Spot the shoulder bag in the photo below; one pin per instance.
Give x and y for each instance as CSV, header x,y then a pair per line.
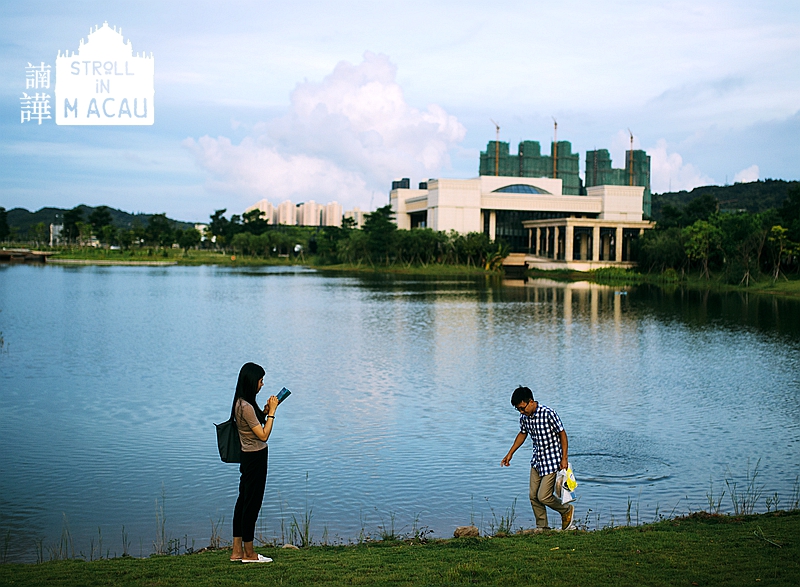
x,y
228,443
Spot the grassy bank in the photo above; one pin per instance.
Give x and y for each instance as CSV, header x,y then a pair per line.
x,y
765,285
701,549
205,257
179,256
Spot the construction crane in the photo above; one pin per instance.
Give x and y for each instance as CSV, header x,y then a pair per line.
x,y
630,161
555,147
496,148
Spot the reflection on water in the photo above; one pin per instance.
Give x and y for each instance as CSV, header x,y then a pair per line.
x,y
400,402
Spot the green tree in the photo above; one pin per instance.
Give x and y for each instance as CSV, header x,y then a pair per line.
x,y
99,218
5,231
159,231
189,238
701,240
241,243
108,234
380,231
781,246
125,238
71,220
662,249
255,222
84,230
38,234
701,208
790,213
218,227
743,237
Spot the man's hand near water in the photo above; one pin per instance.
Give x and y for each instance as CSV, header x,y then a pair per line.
x,y
518,442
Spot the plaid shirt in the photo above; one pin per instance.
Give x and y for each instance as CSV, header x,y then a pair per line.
x,y
543,428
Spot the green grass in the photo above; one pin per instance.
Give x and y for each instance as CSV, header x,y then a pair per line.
x,y
702,549
191,257
613,276
205,257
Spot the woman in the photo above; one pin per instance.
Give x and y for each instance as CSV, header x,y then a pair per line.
x,y
255,426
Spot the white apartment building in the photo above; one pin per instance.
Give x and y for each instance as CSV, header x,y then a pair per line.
x,y
309,213
356,214
267,208
304,214
332,215
287,213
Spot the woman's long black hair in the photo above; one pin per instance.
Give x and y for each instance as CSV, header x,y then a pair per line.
x,y
247,387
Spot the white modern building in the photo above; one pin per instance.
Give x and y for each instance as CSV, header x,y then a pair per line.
x,y
544,228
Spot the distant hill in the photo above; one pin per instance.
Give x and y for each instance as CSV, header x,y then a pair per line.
x,y
755,196
23,219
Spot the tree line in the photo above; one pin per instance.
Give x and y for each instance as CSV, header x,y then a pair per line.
x,y
737,245
79,229
378,242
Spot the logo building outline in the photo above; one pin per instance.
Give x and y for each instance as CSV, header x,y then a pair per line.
x,y
104,83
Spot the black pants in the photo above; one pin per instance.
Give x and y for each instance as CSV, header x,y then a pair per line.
x,y
251,493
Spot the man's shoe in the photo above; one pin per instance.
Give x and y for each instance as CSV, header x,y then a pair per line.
x,y
540,530
566,519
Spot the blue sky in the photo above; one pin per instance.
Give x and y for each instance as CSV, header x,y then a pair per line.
x,y
331,101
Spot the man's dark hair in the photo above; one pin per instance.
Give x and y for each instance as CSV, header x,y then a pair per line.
x,y
521,394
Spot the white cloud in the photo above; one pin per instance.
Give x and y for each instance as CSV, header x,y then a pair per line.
x,y
747,175
343,139
668,172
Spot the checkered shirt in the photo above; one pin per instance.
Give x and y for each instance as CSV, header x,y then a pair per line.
x,y
543,427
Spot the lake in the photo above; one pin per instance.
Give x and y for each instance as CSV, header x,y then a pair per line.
x,y
112,377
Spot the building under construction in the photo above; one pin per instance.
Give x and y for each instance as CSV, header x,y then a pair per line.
x,y
637,172
563,164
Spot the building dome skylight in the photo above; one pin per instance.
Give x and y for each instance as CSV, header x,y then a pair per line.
x,y
520,188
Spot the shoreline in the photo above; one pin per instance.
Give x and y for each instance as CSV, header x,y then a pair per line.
x,y
110,262
786,288
701,548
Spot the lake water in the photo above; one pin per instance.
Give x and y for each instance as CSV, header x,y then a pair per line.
x,y
111,378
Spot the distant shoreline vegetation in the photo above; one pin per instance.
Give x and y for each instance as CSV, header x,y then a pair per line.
x,y
750,239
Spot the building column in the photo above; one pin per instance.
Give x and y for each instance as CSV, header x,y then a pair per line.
x,y
595,243
618,245
492,225
530,240
568,241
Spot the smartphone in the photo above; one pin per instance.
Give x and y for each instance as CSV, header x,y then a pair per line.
x,y
283,394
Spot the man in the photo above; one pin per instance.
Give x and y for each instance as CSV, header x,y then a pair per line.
x,y
549,455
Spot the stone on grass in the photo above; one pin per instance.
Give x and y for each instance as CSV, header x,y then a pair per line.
x,y
466,532
291,546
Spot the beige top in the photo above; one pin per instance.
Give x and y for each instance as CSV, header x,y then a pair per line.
x,y
246,420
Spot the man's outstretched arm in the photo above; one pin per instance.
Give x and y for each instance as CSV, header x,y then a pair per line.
x,y
518,442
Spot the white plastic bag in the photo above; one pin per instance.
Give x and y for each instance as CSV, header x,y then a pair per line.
x,y
565,484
